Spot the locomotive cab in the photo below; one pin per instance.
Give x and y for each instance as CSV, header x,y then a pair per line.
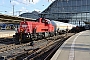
x,y
42,20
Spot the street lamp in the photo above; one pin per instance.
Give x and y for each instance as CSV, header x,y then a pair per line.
x,y
3,11
13,5
33,0
19,12
13,10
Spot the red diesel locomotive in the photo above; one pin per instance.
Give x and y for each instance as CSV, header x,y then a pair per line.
x,y
32,30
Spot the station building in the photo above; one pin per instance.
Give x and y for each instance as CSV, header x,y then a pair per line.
x,y
72,11
33,15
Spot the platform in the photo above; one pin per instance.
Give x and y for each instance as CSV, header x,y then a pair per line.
x,y
6,33
76,47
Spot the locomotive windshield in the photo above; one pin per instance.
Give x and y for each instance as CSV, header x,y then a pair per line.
x,y
24,25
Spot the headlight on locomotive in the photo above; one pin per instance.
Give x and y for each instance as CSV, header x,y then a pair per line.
x,y
22,30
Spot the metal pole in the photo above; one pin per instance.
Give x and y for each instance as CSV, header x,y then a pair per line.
x,y
19,12
13,10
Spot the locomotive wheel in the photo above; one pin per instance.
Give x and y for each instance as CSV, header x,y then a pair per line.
x,y
31,42
16,39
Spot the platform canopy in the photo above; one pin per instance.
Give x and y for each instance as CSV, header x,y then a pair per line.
x,y
86,22
13,19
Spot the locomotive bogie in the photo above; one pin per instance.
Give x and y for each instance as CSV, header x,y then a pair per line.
x,y
22,37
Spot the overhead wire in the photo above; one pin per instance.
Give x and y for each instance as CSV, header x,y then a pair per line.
x,y
19,2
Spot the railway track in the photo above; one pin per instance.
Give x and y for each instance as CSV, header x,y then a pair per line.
x,y
47,52
25,51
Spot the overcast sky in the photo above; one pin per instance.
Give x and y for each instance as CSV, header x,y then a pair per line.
x,y
6,6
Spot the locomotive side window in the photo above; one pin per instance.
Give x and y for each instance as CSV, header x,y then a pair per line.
x,y
43,21
48,21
